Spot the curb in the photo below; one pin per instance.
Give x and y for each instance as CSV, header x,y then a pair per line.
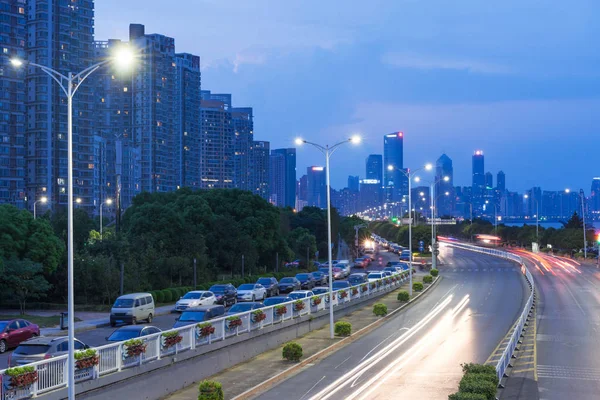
x,y
282,376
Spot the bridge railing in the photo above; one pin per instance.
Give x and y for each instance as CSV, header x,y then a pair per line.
x,y
509,350
116,357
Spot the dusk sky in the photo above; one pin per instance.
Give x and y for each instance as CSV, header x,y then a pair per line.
x,y
519,80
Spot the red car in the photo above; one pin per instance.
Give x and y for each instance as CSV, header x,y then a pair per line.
x,y
13,332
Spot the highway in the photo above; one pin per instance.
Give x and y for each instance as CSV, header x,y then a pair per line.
x,y
567,362
417,354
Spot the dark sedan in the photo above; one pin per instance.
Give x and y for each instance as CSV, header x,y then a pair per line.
x,y
272,301
131,332
244,307
226,294
271,285
306,281
357,278
287,285
341,285
13,332
320,278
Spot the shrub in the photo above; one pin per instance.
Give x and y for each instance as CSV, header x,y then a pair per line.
x,y
434,272
167,296
292,351
478,369
181,292
380,309
480,386
466,396
481,377
174,294
343,328
160,298
427,279
210,390
403,295
417,286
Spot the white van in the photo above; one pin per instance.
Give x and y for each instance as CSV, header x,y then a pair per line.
x,y
131,308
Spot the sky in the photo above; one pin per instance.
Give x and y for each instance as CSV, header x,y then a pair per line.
x,y
519,80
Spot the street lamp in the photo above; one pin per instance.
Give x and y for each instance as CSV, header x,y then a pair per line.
x,y
69,84
583,219
408,173
42,200
108,202
537,216
327,152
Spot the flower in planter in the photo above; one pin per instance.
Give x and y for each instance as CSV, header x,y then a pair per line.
x,y
354,291
373,285
22,377
258,315
204,330
234,322
134,348
86,359
343,294
315,300
298,305
280,310
170,339
364,287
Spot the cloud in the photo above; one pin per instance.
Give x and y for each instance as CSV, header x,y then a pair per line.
x,y
248,58
427,62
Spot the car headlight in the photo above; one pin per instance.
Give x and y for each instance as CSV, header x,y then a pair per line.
x,y
129,313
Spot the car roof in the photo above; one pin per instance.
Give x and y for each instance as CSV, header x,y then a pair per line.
x,y
278,297
248,303
320,287
203,308
44,340
357,274
198,291
132,296
301,291
132,328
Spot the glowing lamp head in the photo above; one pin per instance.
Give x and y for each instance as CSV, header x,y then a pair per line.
x,y
299,141
78,200
124,57
526,196
109,201
567,190
417,179
355,139
446,178
44,199
447,194
390,167
429,166
16,62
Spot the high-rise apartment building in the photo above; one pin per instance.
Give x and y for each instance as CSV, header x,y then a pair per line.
x,y
277,179
595,197
478,183
258,180
501,182
243,131
489,180
283,177
395,182
353,183
316,187
374,172
302,192
13,38
60,36
445,204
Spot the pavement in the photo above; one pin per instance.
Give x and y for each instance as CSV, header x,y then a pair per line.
x,y
565,361
415,354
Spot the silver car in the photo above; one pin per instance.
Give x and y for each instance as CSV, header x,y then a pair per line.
x,y
43,347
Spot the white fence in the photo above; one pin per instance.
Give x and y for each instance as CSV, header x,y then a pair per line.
x,y
112,358
507,354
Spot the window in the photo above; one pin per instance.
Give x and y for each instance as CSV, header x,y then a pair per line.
x,y
125,89
21,10
143,301
79,345
149,300
137,303
13,325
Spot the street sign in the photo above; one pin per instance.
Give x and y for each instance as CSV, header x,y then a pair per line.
x,y
436,253
421,246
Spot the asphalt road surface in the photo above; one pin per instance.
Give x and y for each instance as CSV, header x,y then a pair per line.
x,y
417,354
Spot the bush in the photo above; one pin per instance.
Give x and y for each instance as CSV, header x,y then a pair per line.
x,y
475,385
380,309
493,378
434,272
292,351
160,297
403,295
417,286
174,294
343,328
478,369
427,279
210,390
466,396
167,296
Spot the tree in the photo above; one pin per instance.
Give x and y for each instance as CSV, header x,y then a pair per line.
x,y
23,280
574,223
301,240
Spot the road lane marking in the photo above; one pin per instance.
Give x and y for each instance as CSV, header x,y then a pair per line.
x,y
519,371
313,386
336,367
383,341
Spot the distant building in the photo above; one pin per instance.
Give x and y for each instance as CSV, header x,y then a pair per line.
x,y
595,197
316,187
445,204
302,192
501,182
478,183
346,201
370,193
489,180
395,182
283,179
242,121
258,180
374,171
353,183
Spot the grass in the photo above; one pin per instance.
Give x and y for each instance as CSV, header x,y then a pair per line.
x,y
42,322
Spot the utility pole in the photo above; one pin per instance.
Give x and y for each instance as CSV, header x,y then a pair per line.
x,y
243,266
277,262
195,275
122,277
356,229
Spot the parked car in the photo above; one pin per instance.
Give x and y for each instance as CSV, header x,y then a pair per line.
x,y
357,278
243,307
392,263
271,285
287,285
271,301
41,348
195,298
391,270
15,331
320,277
131,332
293,264
360,263
199,314
405,255
301,294
251,292
375,276
131,308
226,294
337,285
320,290
306,281
345,269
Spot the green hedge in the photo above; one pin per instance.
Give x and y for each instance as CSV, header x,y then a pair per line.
x,y
403,295
380,309
427,279
478,369
417,286
210,390
479,382
466,396
167,295
471,384
343,328
434,272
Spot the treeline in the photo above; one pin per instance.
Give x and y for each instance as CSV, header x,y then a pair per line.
x,y
161,236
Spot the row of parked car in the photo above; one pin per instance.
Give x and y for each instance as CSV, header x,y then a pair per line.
x,y
403,252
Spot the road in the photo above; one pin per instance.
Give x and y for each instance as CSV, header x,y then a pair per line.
x,y
567,361
417,354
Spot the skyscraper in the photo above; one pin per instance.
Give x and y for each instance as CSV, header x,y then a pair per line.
x,y
393,154
489,180
478,184
284,178
12,104
277,179
60,36
501,182
353,183
374,172
243,135
258,180
445,204
595,197
316,187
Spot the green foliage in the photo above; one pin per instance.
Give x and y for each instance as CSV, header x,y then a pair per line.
x,y
167,296
85,354
380,309
343,328
427,279
292,351
16,371
474,384
133,342
417,286
466,396
434,272
23,280
170,334
478,369
403,295
175,294
300,239
160,296
210,390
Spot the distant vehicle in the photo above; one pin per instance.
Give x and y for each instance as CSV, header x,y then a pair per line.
x,y
226,294
131,332
392,263
271,301
306,281
131,308
301,294
271,285
200,314
244,307
391,270
360,263
320,277
42,348
320,290
345,268
374,276
194,299
337,272
293,264
357,278
15,331
337,285
386,273
405,255
287,285
251,292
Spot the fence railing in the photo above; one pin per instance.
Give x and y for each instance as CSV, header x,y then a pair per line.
x,y
112,358
509,350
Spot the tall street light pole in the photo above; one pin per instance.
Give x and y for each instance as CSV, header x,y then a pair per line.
x,y
43,200
537,216
69,84
327,152
583,219
108,202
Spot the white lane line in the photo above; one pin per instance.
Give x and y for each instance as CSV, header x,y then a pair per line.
x,y
336,367
383,341
313,386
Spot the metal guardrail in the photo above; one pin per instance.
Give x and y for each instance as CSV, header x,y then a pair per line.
x,y
507,354
113,358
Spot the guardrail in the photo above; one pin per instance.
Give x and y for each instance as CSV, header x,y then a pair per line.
x,y
509,350
113,358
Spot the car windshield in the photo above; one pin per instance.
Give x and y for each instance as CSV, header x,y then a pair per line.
x,y
3,325
316,273
264,281
246,286
32,349
296,296
217,289
241,308
190,296
378,275
358,260
340,284
336,269
123,303
123,334
287,280
192,316
302,276
355,277
275,300
319,291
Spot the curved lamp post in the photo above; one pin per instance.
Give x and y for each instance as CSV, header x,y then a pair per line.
x,y
42,200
